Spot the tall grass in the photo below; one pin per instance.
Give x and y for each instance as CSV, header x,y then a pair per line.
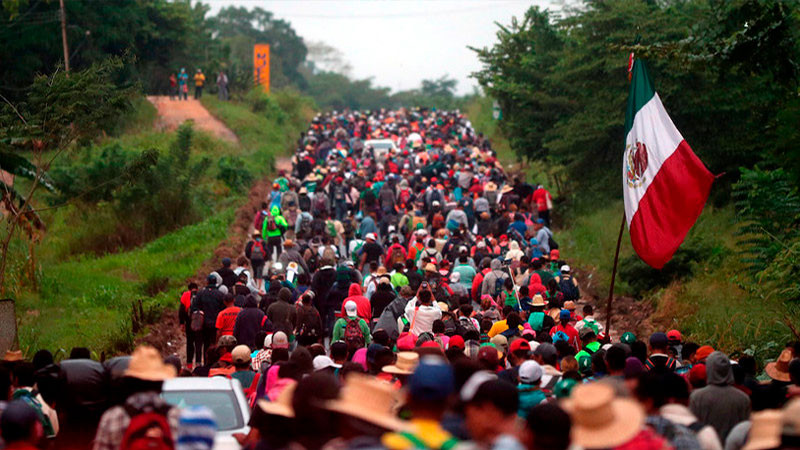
x,y
86,301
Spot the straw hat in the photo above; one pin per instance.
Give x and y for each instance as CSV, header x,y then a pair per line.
x,y
600,420
490,187
765,430
779,369
538,300
282,406
146,364
405,364
370,400
507,189
11,356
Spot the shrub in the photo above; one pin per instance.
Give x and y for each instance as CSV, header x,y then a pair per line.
x,y
263,103
233,172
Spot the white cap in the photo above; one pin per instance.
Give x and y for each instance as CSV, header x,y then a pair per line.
x,y
268,341
565,268
322,362
455,277
474,382
372,236
351,308
530,372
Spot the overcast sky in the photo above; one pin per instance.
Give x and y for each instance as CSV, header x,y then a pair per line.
x,y
399,42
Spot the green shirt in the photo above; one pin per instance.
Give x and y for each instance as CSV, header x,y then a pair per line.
x,y
341,324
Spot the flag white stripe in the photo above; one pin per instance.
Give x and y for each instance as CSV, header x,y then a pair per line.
x,y
653,127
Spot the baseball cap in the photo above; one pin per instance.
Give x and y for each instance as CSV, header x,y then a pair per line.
x,y
500,342
565,268
530,372
540,221
240,354
351,308
469,388
17,420
674,336
585,364
703,352
627,338
585,332
564,314
519,345
322,362
546,351
658,339
371,236
226,341
280,340
432,380
456,342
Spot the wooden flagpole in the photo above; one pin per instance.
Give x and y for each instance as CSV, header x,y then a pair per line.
x,y
614,278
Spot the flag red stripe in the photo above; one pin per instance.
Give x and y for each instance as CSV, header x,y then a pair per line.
x,y
670,207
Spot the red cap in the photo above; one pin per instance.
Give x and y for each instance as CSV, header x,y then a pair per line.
x,y
226,358
339,179
674,335
456,342
697,374
519,344
703,352
430,344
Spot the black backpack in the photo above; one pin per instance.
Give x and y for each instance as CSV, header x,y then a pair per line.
x,y
568,288
550,241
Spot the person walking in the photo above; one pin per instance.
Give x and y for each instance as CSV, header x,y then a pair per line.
x,y
222,86
183,84
204,309
199,82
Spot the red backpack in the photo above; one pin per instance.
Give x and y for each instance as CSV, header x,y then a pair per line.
x,y
353,336
147,431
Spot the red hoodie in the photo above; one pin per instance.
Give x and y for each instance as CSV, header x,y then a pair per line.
x,y
364,308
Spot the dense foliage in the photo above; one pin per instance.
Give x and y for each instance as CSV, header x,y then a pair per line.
x,y
726,71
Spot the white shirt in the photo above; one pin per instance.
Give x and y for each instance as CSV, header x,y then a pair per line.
x,y
681,415
425,316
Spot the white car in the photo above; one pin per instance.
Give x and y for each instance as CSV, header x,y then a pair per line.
x,y
223,396
380,147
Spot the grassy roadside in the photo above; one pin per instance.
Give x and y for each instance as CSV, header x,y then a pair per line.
x,y
712,306
85,300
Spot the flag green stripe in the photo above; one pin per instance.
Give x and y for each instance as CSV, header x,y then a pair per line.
x,y
641,92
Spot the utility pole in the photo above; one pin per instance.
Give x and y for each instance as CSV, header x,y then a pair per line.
x,y
64,35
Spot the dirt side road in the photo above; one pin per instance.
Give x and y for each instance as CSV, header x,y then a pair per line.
x,y
172,113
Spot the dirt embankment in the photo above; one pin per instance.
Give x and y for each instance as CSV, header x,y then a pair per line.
x,y
166,334
172,113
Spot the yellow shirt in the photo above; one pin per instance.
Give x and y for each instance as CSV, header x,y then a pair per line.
x,y
428,431
199,79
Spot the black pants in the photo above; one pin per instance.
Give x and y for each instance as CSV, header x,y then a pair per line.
x,y
274,242
189,344
198,92
545,215
202,341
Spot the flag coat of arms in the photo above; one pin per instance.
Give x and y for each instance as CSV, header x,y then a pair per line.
x,y
665,184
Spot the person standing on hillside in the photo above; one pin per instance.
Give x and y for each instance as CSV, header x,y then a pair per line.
x,y
183,84
199,82
222,86
173,86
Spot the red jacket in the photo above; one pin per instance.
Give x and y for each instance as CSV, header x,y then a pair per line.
x,y
476,284
362,303
571,332
390,253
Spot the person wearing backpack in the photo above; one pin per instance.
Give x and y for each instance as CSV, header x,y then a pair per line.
x,y
308,327
589,321
351,329
568,285
203,311
256,252
494,280
544,237
145,420
24,381
274,227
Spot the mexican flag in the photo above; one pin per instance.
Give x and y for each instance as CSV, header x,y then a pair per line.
x,y
665,184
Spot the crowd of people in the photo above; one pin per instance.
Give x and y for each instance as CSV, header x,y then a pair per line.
x,y
402,291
